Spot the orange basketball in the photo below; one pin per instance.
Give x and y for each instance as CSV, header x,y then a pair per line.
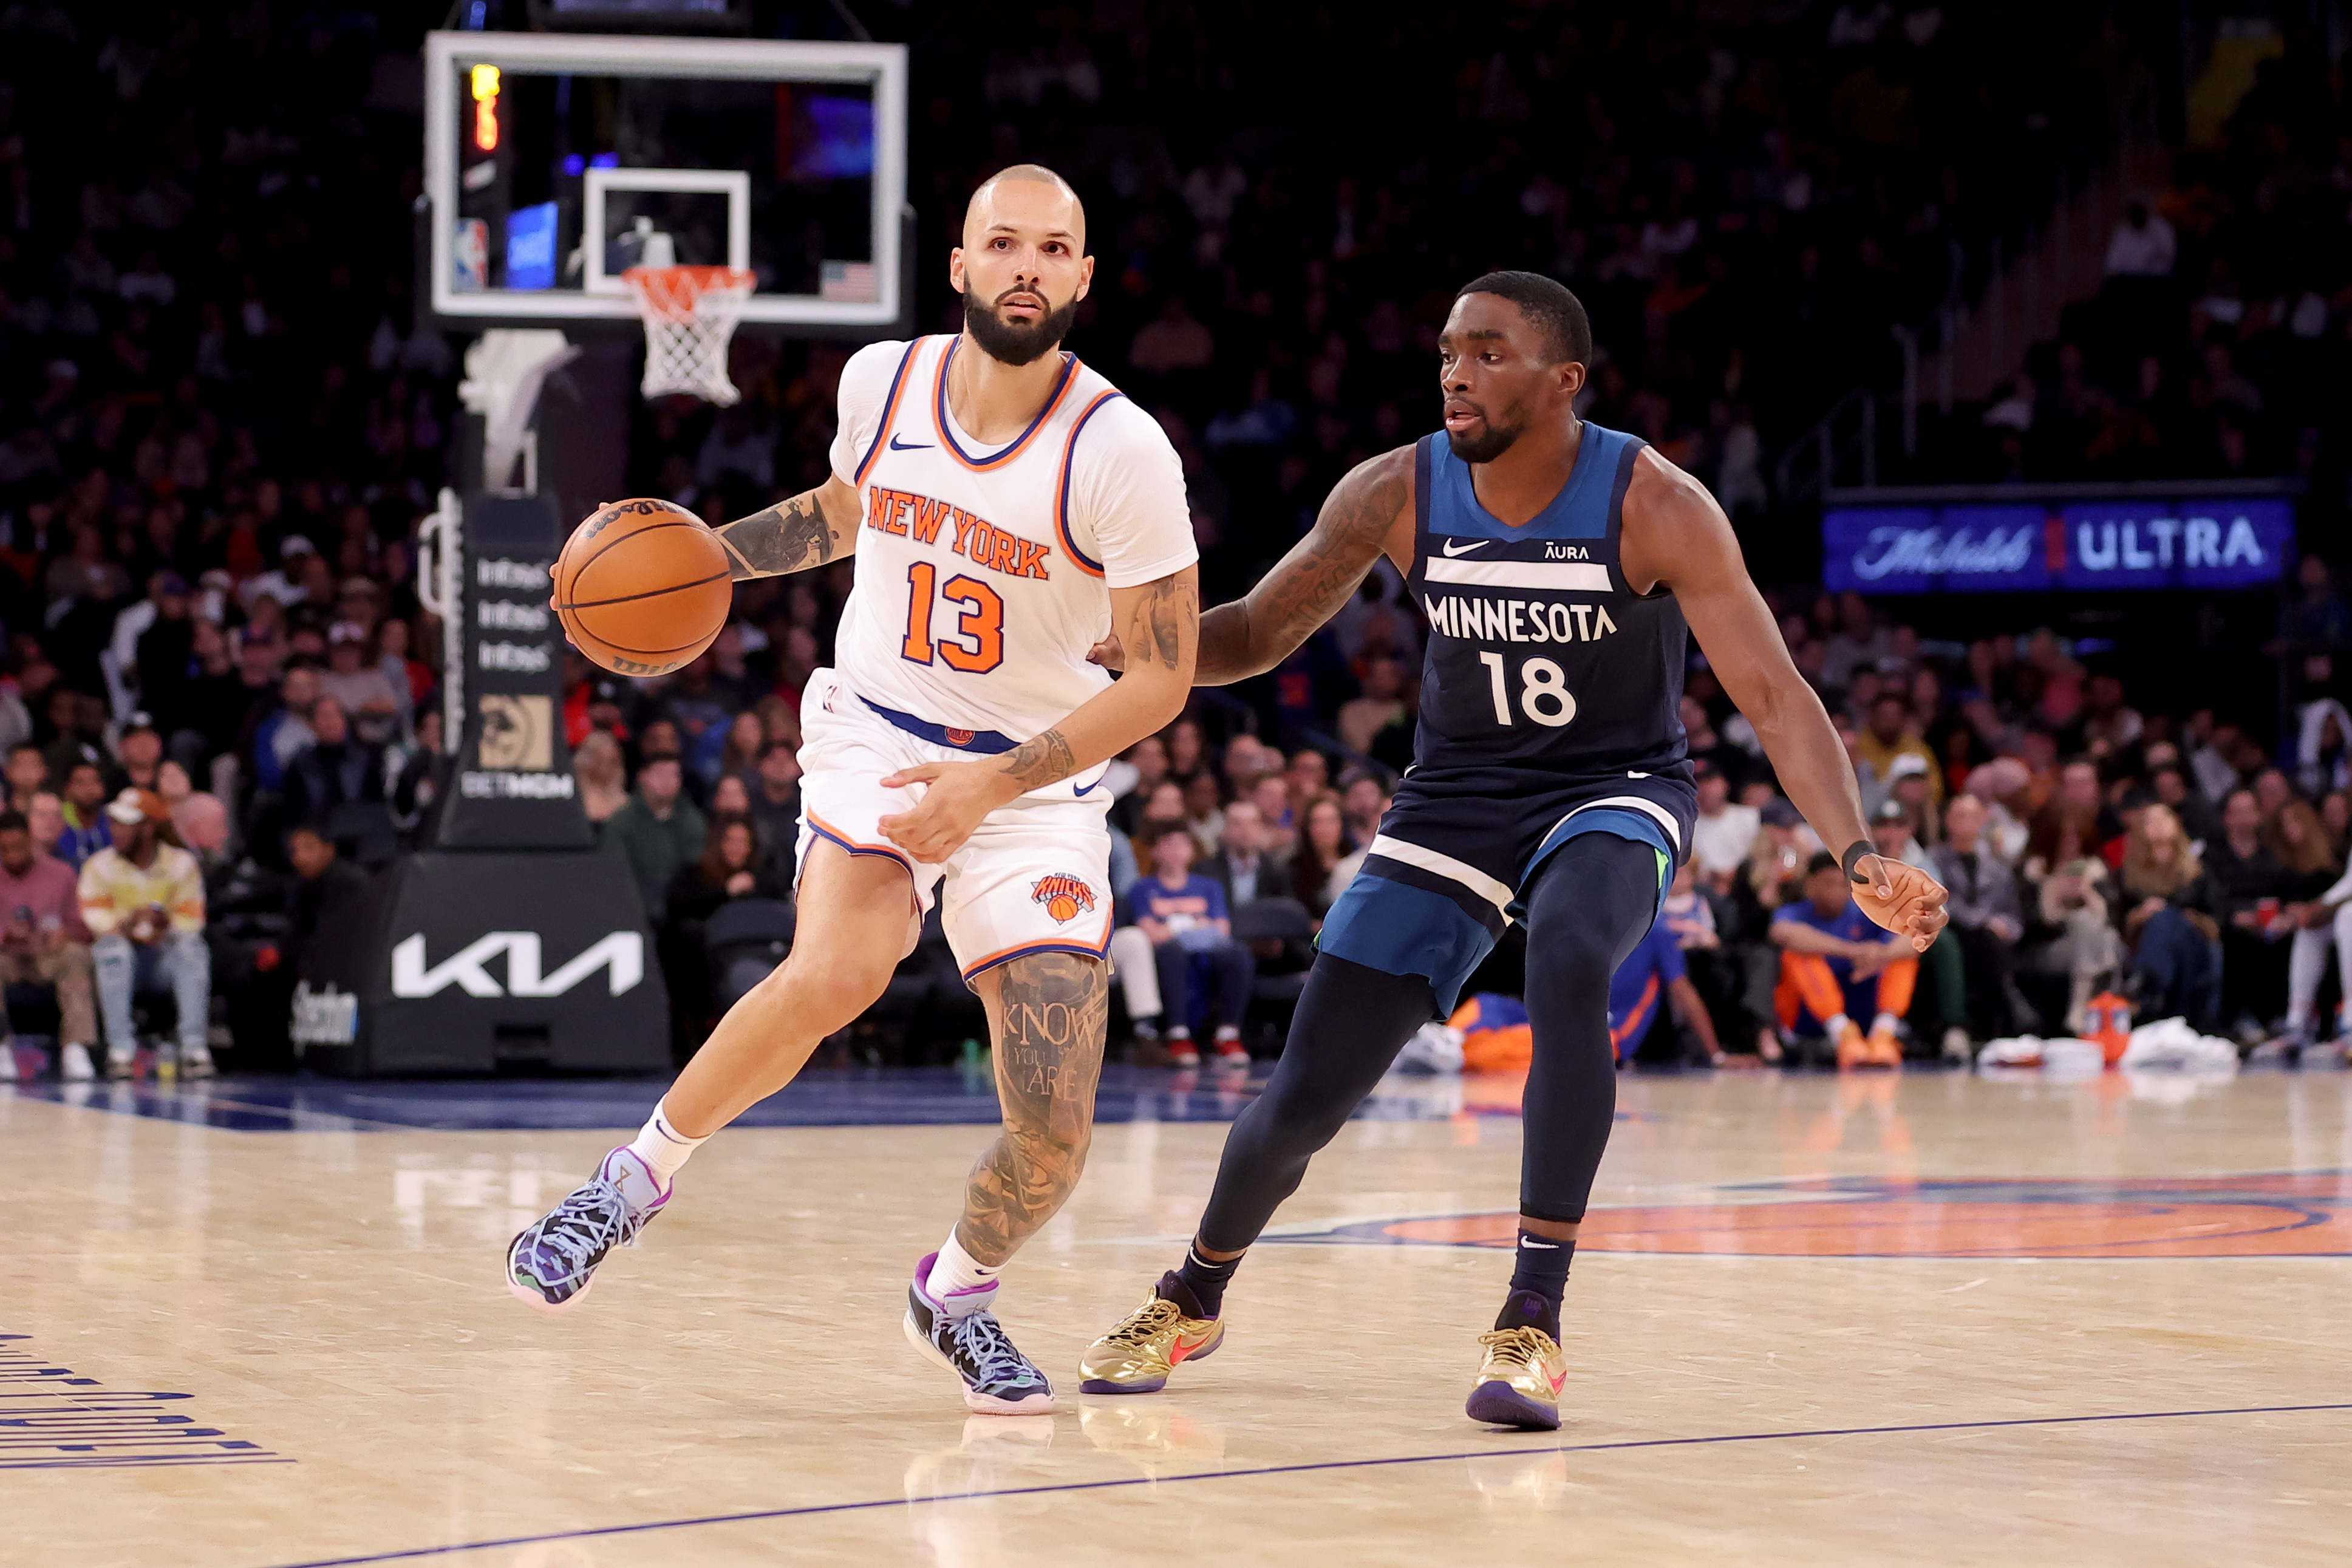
x,y
643,586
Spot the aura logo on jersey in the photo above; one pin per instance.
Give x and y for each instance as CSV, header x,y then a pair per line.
x,y
1065,897
622,955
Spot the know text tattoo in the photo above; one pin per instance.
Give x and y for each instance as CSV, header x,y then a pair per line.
x,y
790,536
1052,1010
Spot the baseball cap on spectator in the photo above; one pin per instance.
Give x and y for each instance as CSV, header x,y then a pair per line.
x,y
1891,810
1782,814
133,806
2001,776
295,544
605,690
140,720
1905,767
346,631
358,588
1823,860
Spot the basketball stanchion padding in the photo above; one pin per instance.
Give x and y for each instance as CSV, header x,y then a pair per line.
x,y
643,586
689,314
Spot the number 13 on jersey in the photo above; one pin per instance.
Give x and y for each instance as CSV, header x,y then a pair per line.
x,y
977,644
1544,696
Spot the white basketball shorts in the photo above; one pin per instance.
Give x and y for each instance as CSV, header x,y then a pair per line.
x,y
1035,877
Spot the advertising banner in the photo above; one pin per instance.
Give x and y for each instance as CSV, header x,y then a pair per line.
x,y
512,788
2172,542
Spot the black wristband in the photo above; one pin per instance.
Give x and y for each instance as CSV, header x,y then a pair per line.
x,y
1853,852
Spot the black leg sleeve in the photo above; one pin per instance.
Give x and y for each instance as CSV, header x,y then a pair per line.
x,y
1351,1022
1592,903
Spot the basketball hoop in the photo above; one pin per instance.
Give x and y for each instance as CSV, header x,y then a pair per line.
x,y
689,314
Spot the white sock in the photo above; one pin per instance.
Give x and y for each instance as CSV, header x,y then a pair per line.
x,y
663,1148
957,1271
1835,1027
1883,1025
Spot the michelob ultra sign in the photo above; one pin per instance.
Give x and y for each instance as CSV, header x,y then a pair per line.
x,y
2172,542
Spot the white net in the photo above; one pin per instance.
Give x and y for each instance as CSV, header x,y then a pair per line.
x,y
689,314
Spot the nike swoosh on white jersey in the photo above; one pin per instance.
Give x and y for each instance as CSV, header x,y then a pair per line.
x,y
1474,544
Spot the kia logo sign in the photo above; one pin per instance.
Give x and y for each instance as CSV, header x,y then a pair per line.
x,y
2161,542
621,955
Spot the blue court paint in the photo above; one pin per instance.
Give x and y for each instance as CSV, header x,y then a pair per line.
x,y
854,1097
415,1553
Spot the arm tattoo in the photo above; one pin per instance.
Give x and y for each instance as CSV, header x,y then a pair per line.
x,y
1052,1011
1045,760
1310,584
1157,624
790,537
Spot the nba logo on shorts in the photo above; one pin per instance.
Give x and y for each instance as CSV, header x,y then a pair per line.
x,y
960,737
1065,897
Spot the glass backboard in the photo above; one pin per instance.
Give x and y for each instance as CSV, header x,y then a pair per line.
x,y
554,162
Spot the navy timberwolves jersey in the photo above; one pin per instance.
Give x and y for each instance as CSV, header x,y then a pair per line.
x,y
1541,658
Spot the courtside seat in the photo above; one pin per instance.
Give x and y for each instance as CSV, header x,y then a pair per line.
x,y
1281,934
746,939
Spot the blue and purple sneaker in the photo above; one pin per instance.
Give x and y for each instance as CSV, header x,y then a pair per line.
x,y
963,1335
551,1265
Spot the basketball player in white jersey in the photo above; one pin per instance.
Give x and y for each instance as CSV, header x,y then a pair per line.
x,y
1007,507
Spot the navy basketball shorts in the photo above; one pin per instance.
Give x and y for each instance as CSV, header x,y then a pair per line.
x,y
1443,878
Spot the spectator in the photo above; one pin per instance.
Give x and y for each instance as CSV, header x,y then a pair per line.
x,y
1323,848
1891,735
658,829
776,805
334,770
1987,920
140,750
1271,795
732,867
2320,915
44,941
1361,719
1835,963
2166,914
1364,802
1241,868
1148,760
283,731
371,705
143,901
86,827
1184,915
2249,886
1723,834
27,774
2142,245
1651,972
45,815
596,763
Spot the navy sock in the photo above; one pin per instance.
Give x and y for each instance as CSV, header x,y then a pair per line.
x,y
1539,1281
1198,1285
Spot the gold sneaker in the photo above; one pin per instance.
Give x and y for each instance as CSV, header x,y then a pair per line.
x,y
1136,1356
1519,1381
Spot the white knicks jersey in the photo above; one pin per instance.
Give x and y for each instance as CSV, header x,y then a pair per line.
x,y
984,576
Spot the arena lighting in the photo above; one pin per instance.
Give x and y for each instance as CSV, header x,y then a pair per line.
x,y
485,85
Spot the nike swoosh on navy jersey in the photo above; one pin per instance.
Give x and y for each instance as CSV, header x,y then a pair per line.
x,y
1474,544
899,446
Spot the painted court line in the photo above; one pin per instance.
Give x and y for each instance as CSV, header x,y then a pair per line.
x,y
414,1553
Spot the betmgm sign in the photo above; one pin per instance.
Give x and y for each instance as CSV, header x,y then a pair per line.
x,y
513,939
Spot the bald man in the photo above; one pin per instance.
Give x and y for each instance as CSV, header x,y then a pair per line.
x,y
1007,508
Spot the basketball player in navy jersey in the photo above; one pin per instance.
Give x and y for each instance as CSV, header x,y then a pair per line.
x,y
1562,567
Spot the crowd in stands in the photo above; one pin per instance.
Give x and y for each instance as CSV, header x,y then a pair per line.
x,y
222,417
2220,345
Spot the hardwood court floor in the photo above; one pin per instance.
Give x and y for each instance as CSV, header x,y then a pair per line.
x,y
1937,1321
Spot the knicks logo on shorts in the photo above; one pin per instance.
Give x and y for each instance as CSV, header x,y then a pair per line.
x,y
1064,898
962,737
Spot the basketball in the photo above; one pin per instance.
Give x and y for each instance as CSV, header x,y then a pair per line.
x,y
642,586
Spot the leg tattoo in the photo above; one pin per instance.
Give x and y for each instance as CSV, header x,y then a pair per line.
x,y
1051,1013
